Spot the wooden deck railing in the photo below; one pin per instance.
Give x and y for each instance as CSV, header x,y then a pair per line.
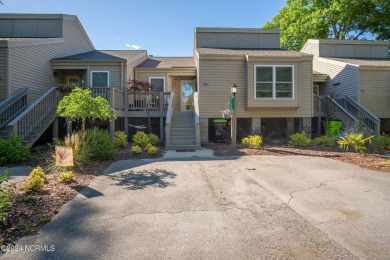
x,y
153,101
31,118
12,106
136,101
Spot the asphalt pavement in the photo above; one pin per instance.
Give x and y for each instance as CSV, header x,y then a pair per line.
x,y
253,207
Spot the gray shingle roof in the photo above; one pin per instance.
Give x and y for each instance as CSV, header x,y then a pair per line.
x,y
92,55
250,52
124,54
385,62
167,63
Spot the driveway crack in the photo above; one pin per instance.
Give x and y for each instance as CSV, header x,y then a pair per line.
x,y
323,183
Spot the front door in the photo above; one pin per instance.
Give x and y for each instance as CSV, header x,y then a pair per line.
x,y
73,81
187,95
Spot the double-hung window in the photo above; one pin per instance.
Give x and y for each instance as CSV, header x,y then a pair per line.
x,y
100,79
274,81
158,84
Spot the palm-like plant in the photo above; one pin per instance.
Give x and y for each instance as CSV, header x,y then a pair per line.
x,y
356,141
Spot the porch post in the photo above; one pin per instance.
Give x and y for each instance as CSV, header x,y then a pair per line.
x,y
126,109
112,129
256,125
161,128
55,128
161,99
68,127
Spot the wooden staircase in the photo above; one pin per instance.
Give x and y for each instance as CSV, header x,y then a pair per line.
x,y
32,121
183,131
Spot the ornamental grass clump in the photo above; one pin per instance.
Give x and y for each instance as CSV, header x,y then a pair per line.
x,y
253,141
300,139
100,144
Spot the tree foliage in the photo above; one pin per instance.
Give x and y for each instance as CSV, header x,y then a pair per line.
x,y
79,104
301,20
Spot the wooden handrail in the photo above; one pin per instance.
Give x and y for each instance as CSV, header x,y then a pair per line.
x,y
196,110
168,120
27,121
12,106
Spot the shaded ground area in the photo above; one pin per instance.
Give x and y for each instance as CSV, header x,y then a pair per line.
x,y
256,207
374,161
30,211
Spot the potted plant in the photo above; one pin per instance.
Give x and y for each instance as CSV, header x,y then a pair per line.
x,y
226,112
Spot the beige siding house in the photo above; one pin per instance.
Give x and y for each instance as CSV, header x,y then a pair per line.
x,y
30,41
41,51
274,85
357,69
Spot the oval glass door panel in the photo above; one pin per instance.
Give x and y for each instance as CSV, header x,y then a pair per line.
x,y
187,95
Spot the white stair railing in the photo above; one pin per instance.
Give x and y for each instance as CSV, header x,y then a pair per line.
x,y
12,106
33,117
196,110
168,120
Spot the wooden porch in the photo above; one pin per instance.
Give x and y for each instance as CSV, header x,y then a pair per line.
x,y
135,104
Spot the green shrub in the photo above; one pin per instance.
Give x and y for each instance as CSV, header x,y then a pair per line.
x,y
12,150
120,139
100,144
5,195
141,139
153,139
383,142
67,176
324,140
151,150
35,180
356,141
136,150
300,139
252,141
37,172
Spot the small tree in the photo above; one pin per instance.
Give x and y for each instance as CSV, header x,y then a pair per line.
x,y
79,104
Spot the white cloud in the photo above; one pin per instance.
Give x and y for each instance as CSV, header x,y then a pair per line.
x,y
134,46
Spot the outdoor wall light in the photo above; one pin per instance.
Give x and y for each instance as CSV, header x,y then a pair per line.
x,y
234,89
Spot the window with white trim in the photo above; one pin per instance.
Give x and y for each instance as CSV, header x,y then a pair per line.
x,y
158,84
274,81
100,79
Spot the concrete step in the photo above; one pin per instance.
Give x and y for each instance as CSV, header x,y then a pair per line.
x,y
182,147
179,134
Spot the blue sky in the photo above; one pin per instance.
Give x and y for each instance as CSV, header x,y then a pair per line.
x,y
164,28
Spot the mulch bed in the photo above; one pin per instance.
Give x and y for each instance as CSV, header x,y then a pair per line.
x,y
30,211
379,161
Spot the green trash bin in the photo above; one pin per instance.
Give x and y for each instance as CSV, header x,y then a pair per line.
x,y
332,128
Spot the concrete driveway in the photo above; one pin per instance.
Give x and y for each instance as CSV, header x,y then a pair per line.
x,y
258,207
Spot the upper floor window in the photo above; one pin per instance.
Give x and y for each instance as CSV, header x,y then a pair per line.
x,y
100,79
158,84
274,81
